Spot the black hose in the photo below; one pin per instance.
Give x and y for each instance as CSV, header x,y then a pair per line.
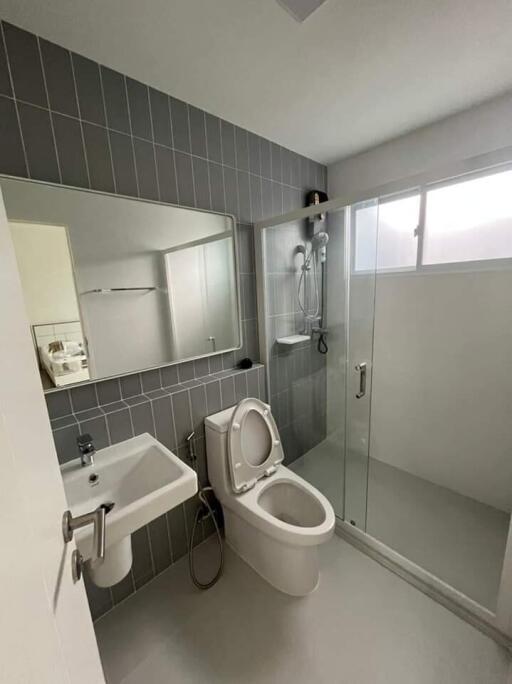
x,y
322,344
191,566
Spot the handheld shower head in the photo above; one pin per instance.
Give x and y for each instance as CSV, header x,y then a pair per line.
x,y
319,244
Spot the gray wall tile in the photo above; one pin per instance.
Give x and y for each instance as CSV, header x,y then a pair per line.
x,y
130,385
26,69
108,391
176,520
213,401
142,567
266,158
98,158
180,125
182,416
90,95
217,187
169,376
242,149
227,131
199,410
119,426
197,131
138,103
70,150
166,173
124,164
252,383
201,367
240,386
142,419
100,599
12,158
186,371
122,589
59,78
58,404
146,169
5,81
39,144
161,117
164,426
230,191
227,388
116,103
150,380
201,183
213,142
65,443
83,397
160,545
185,179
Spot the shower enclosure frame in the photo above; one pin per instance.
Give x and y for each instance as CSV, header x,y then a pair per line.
x,y
498,624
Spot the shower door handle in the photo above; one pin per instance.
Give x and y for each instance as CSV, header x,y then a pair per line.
x,y
361,368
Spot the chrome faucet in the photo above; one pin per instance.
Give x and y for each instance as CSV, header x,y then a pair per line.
x,y
86,449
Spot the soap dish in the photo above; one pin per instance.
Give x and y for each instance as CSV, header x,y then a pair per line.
x,y
291,340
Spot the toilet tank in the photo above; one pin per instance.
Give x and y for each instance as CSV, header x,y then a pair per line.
x,y
216,431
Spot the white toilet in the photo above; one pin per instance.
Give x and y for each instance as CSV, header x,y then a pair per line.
x,y
273,518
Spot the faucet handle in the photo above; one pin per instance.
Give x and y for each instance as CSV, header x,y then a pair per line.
x,y
85,442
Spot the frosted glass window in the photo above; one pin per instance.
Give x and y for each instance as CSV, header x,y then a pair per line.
x,y
365,231
469,221
397,240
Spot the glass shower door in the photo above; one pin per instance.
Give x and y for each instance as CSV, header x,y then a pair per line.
x,y
361,262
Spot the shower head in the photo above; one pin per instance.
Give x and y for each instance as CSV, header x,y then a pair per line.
x,y
319,240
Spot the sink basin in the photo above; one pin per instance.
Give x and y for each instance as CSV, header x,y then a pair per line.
x,y
142,479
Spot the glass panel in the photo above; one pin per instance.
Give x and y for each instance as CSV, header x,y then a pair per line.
x,y
398,233
440,473
305,310
361,295
470,220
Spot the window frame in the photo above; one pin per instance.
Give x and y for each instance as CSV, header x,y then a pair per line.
x,y
420,268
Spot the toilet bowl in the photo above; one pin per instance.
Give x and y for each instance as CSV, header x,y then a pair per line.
x,y
274,520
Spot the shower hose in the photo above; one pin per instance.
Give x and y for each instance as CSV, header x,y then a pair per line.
x,y
204,500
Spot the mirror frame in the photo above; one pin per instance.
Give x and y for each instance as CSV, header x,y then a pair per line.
x,y
61,186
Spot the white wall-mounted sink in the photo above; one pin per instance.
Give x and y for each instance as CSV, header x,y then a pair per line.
x,y
143,479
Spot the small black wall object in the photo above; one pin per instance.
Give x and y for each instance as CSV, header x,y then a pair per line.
x,y
245,363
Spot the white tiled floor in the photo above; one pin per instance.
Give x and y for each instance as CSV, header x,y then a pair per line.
x,y
363,625
460,540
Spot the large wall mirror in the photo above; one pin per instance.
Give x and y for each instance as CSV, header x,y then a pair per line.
x,y
115,285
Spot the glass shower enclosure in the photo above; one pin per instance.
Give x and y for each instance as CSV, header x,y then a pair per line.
x,y
387,378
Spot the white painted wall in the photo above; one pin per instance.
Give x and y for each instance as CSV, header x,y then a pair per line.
x,y
475,131
442,380
46,274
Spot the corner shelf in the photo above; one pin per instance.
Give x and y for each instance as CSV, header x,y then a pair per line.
x,y
292,340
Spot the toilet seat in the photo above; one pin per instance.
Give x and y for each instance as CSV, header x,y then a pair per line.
x,y
254,445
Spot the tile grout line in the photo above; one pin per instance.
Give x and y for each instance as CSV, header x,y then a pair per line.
x,y
45,85
13,90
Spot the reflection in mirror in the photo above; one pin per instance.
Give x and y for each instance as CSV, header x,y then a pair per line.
x,y
46,274
115,285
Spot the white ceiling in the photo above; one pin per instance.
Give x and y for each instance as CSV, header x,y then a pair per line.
x,y
354,74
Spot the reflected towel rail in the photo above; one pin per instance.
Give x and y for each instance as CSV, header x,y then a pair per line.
x,y
107,290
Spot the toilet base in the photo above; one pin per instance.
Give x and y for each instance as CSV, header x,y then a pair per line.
x,y
294,570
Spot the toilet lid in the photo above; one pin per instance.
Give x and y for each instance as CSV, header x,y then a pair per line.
x,y
254,446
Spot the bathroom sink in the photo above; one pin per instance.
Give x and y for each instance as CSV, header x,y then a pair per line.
x,y
137,480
